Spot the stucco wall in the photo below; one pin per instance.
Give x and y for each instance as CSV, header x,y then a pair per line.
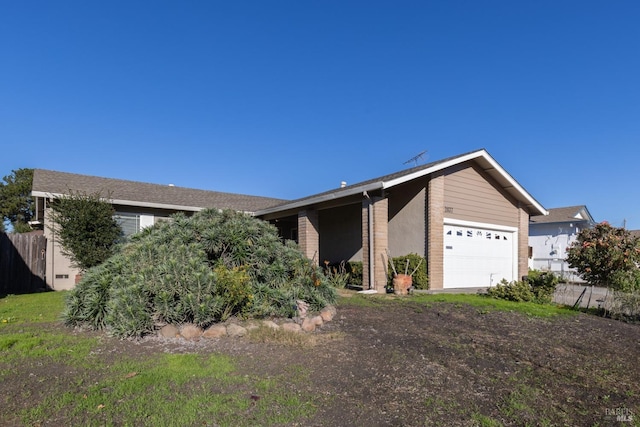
x,y
341,234
407,219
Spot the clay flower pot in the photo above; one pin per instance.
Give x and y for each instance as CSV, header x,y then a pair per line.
x,y
401,284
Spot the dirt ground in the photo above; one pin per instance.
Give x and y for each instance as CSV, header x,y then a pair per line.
x,y
409,364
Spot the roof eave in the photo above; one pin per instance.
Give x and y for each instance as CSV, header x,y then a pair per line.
x,y
122,202
359,189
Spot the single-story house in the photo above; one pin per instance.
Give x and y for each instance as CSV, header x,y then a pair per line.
x,y
137,205
550,236
466,215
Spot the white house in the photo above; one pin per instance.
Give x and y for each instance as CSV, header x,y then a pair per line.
x,y
550,236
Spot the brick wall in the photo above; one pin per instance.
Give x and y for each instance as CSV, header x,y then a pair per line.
x,y
435,232
380,242
365,243
308,233
523,243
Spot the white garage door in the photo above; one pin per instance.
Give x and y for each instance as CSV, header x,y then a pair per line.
x,y
478,256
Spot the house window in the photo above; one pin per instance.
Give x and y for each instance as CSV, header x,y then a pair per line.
x,y
129,222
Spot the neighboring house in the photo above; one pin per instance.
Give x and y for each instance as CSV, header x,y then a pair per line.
x,y
137,205
550,236
465,214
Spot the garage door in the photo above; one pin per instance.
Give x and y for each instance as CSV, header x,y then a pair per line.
x,y
478,256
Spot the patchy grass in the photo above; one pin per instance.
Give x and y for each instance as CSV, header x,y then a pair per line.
x,y
266,335
68,378
173,390
442,360
484,303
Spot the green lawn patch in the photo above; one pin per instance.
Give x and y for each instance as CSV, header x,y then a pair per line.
x,y
33,308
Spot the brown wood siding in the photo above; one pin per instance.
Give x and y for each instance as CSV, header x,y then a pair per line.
x,y
471,195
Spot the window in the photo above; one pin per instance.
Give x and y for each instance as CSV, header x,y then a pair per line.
x,y
129,222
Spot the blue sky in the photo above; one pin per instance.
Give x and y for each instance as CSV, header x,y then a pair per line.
x,y
288,98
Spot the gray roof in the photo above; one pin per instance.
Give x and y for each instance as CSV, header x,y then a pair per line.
x,y
481,157
47,183
565,214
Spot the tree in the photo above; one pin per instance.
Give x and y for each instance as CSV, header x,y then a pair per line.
x,y
16,203
606,256
86,228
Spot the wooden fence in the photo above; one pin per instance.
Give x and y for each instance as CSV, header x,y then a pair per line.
x,y
22,262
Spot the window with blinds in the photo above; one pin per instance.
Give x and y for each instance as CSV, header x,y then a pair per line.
x,y
129,222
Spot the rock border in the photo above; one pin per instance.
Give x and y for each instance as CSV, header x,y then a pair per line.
x,y
236,329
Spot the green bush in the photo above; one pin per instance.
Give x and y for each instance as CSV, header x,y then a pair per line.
x,y
519,291
538,287
85,227
543,285
354,268
625,281
337,274
626,306
200,269
420,279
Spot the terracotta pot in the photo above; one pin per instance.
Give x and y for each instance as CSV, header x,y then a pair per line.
x,y
401,284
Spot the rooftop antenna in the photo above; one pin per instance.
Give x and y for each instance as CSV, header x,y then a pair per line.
x,y
415,158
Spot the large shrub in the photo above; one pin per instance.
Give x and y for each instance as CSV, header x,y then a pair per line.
x,y
85,227
201,269
602,252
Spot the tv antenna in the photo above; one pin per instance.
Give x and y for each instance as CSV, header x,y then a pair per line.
x,y
415,158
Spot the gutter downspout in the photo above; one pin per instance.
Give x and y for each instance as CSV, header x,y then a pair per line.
x,y
370,225
53,248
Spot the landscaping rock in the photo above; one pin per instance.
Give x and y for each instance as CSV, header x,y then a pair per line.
x,y
328,313
234,330
169,331
291,327
215,331
191,332
308,325
251,326
270,324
